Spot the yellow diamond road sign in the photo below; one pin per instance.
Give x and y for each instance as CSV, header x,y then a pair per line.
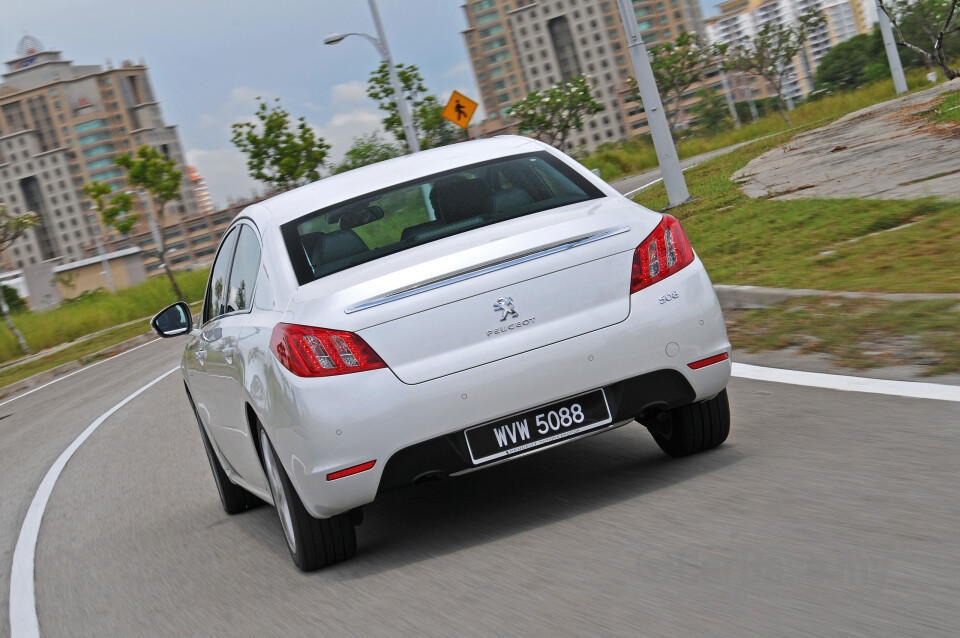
x,y
459,109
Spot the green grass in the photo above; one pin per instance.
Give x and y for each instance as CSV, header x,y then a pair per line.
x,y
949,110
856,333
637,155
85,351
780,243
97,311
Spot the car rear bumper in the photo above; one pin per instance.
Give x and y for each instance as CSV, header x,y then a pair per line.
x,y
321,426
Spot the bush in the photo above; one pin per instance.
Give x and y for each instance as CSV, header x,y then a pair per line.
x,y
14,301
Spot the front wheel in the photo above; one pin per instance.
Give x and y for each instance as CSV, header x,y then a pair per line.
x,y
233,498
693,428
313,542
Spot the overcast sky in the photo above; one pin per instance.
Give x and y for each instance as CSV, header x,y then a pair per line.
x,y
210,59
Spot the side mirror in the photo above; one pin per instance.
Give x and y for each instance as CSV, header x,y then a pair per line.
x,y
173,320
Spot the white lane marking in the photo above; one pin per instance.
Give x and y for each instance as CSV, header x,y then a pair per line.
x,y
911,389
23,604
659,179
83,369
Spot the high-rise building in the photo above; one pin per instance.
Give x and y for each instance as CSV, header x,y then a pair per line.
x,y
740,20
204,204
61,126
519,46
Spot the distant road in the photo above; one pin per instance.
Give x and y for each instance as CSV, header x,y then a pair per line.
x,y
634,182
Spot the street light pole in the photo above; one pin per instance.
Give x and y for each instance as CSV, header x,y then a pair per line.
x,y
157,240
893,57
726,93
656,119
380,43
413,142
95,229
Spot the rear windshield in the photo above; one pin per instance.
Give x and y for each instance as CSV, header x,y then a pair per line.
x,y
393,219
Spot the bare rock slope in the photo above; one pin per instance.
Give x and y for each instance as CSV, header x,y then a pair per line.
x,y
885,151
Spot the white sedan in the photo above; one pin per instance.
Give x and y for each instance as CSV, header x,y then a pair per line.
x,y
438,313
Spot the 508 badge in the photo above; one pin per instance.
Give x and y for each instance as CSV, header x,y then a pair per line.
x,y
670,296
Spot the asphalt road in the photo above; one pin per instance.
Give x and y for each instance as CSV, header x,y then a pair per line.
x,y
629,185
826,513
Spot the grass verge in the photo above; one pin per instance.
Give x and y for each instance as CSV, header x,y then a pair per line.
x,y
856,333
827,244
949,110
85,351
97,311
637,155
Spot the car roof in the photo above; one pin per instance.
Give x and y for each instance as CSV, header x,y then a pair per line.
x,y
338,188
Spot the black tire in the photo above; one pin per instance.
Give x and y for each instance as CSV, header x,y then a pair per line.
x,y
313,542
233,498
693,428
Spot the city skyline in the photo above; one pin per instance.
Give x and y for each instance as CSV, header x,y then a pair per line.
x,y
209,61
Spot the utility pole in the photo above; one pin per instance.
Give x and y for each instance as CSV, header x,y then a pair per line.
x,y
893,57
409,131
104,262
656,119
726,93
380,43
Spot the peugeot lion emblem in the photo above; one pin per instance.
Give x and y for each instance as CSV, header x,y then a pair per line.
x,y
505,306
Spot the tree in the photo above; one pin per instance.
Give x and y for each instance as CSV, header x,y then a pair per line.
x,y
113,211
432,129
367,149
853,63
677,66
150,171
710,110
278,153
552,113
926,24
770,52
12,227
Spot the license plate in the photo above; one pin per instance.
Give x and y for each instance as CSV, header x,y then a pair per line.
x,y
522,432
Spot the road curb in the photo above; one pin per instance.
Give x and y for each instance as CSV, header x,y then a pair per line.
x,y
49,375
751,297
731,298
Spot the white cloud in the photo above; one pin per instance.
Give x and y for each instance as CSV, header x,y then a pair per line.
x,y
461,69
349,94
340,130
312,106
244,99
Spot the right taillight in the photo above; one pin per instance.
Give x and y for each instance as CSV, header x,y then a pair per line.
x,y
665,251
317,352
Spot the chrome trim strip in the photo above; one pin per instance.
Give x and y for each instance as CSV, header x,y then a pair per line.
x,y
484,270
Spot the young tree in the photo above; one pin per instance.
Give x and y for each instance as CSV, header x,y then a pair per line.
x,y
278,153
11,228
770,52
552,113
432,129
677,66
153,173
367,149
710,110
926,23
113,211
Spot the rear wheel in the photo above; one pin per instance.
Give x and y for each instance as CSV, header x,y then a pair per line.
x,y
233,498
313,542
693,428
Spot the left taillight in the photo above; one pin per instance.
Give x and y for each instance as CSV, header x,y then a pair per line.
x,y
665,251
316,352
